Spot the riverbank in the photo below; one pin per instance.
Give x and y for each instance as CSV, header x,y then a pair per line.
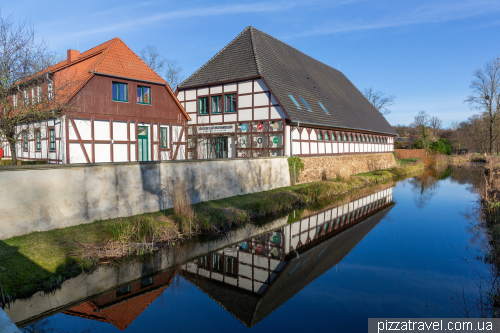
x,y
54,256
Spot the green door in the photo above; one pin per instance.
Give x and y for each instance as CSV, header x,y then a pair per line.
x,y
217,147
142,136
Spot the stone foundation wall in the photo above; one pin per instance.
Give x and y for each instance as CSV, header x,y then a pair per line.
x,y
328,167
410,153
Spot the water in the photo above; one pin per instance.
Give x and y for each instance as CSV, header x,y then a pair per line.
x,y
398,253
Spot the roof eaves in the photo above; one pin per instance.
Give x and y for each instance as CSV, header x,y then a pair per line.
x,y
341,127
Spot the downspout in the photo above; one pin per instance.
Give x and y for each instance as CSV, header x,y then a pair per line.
x,y
291,152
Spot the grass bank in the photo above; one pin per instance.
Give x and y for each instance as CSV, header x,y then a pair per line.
x,y
43,260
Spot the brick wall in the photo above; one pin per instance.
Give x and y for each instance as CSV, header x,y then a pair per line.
x,y
410,153
326,167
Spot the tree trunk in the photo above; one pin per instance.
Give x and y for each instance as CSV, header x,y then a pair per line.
x,y
13,152
491,135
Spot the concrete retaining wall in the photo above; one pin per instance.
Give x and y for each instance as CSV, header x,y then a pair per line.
x,y
410,153
35,198
327,167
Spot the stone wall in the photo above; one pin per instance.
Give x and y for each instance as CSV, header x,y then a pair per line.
x,y
40,198
328,167
410,153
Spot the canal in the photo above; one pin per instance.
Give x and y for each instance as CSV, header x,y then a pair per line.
x,y
396,250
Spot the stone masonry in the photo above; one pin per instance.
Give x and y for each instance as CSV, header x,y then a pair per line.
x,y
327,167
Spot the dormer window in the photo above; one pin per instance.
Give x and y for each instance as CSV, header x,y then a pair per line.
x,y
307,106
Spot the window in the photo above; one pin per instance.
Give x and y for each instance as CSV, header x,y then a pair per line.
x,y
364,138
323,107
231,266
345,137
39,94
203,105
217,262
25,139
25,97
124,291
303,101
51,90
38,137
294,101
355,138
231,103
14,100
216,104
350,138
327,136
52,139
33,96
146,282
120,92
320,136
143,95
164,137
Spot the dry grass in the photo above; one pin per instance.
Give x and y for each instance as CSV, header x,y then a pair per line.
x,y
182,201
344,173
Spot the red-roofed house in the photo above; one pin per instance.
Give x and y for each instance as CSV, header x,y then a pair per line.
x,y
119,110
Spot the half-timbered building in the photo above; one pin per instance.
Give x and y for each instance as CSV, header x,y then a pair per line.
x,y
120,110
261,97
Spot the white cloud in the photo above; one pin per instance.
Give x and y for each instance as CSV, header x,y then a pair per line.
x,y
437,12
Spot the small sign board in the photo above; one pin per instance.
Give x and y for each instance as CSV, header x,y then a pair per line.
x,y
276,140
209,129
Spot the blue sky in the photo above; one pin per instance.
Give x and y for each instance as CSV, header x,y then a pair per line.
x,y
423,52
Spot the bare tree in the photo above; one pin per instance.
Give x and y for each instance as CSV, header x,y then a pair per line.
x,y
27,95
166,68
421,122
485,95
379,100
435,123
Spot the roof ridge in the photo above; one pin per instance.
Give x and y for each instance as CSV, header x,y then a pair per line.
x,y
257,63
105,52
225,47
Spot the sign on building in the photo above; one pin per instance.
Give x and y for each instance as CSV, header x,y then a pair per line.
x,y
210,129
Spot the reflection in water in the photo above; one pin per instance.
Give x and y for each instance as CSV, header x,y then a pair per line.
x,y
425,186
122,306
255,277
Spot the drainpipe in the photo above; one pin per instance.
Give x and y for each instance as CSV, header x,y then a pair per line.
x,y
291,151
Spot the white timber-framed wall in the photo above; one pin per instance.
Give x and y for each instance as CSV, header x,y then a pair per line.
x,y
256,104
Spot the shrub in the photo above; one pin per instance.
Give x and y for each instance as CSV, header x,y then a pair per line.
x,y
441,146
299,166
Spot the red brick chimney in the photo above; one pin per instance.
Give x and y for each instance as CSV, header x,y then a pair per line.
x,y
73,55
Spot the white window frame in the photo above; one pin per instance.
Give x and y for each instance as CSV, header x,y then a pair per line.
x,y
33,96
39,93
168,135
51,90
14,100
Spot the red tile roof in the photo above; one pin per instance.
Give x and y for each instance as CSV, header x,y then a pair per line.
x,y
114,58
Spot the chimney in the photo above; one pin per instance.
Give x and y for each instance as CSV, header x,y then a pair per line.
x,y
73,55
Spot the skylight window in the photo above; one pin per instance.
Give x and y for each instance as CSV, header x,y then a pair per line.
x,y
307,106
294,101
323,107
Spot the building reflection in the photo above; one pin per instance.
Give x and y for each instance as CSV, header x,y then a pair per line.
x,y
122,306
255,277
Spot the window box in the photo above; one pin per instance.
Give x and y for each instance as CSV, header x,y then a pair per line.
x,y
143,95
120,92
